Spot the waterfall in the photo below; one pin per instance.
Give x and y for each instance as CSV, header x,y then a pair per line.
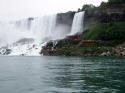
x,y
23,24
9,33
25,37
38,29
77,25
43,27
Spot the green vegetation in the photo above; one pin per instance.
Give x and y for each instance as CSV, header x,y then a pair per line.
x,y
89,7
109,27
116,2
104,5
66,43
106,32
112,3
82,51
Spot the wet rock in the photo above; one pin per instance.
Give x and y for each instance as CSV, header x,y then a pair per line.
x,y
5,51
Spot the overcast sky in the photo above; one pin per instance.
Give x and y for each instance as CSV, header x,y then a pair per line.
x,y
17,9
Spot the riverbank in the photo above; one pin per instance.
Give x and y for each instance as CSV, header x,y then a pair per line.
x,y
77,47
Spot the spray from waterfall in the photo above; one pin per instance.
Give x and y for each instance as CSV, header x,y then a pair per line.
x,y
43,27
10,34
40,29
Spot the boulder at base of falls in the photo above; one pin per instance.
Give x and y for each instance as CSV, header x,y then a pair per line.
x,y
5,51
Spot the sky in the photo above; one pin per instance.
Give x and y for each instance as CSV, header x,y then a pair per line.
x,y
18,9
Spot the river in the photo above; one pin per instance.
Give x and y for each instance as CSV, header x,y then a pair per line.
x,y
62,74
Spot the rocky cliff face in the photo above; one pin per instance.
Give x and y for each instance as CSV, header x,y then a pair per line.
x,y
104,16
65,18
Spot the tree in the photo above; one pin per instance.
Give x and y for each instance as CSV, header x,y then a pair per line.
x,y
111,2
103,5
88,7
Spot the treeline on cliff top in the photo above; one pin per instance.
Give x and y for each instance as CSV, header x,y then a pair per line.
x,y
110,26
104,5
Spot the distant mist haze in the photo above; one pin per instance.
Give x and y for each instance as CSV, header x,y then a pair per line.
x,y
18,9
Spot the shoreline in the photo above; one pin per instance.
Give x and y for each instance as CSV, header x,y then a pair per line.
x,y
68,47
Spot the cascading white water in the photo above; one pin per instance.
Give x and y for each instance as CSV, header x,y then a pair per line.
x,y
23,24
38,29
9,33
43,27
77,25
